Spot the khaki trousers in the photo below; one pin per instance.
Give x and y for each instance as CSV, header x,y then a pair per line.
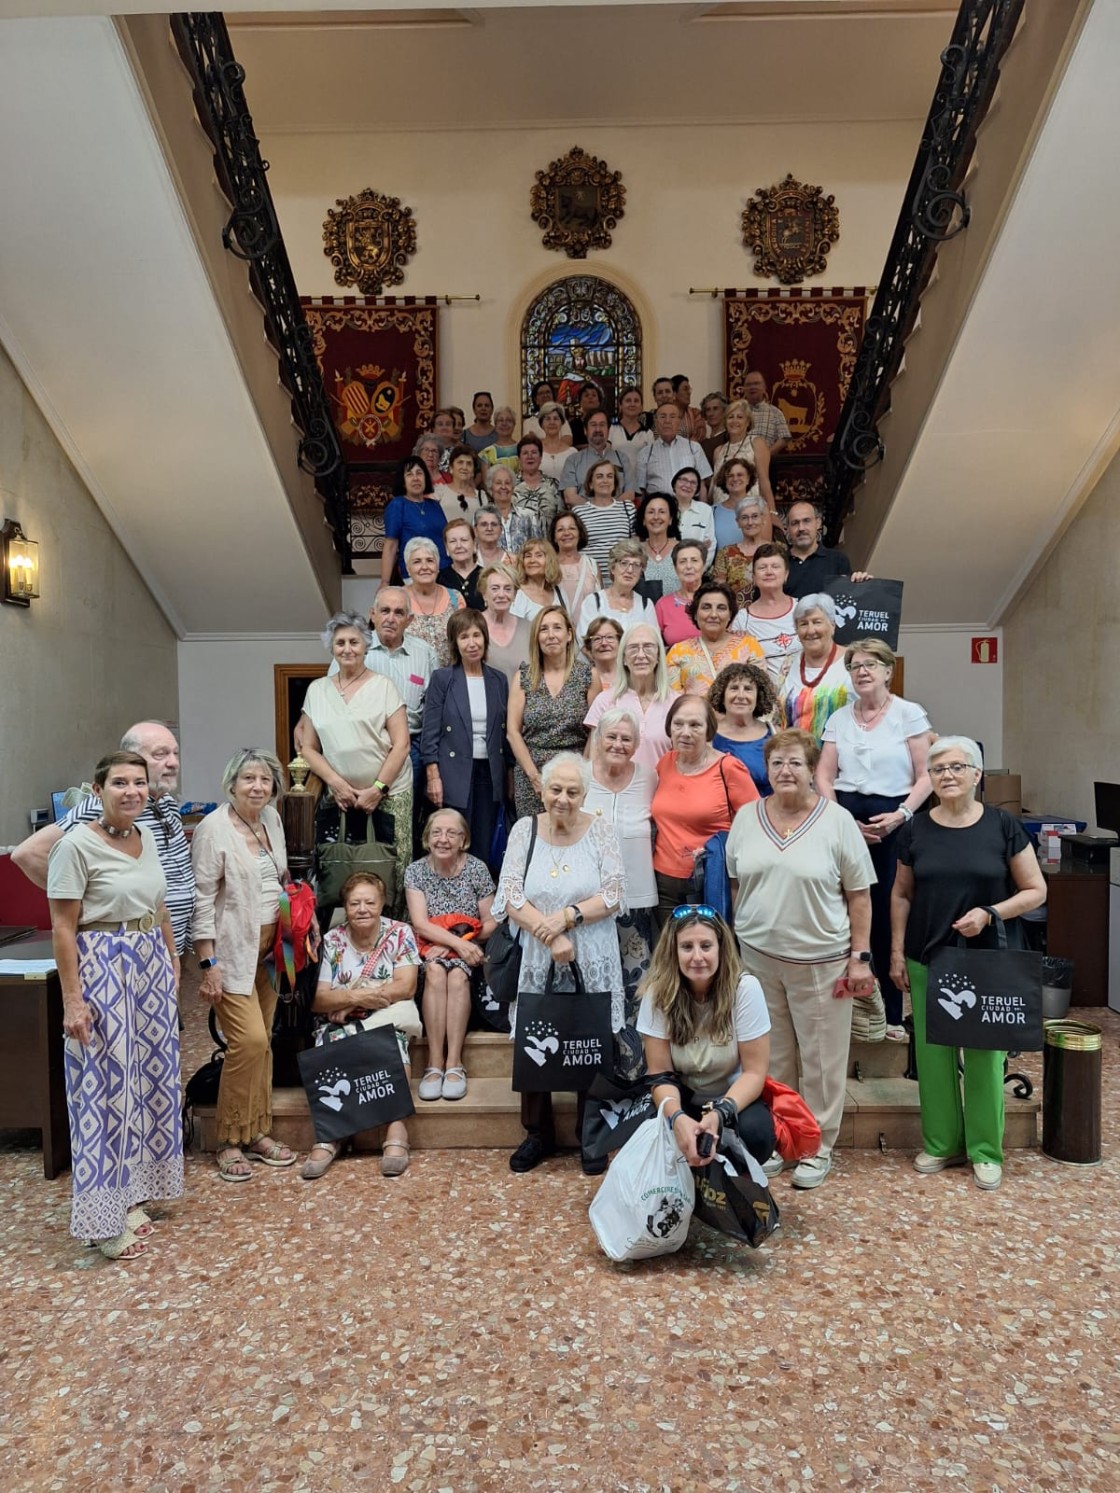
x,y
808,1027
245,1090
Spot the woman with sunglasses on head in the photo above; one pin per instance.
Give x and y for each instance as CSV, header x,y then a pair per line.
x,y
873,761
706,1033
960,867
800,877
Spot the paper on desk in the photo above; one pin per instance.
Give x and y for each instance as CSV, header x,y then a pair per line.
x,y
29,967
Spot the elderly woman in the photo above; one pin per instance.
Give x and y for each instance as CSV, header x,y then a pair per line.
x,y
431,605
744,699
601,643
818,683
240,867
488,538
621,792
734,563
706,1031
535,493
543,394
564,897
117,967
672,610
509,634
504,447
640,685
694,664
415,514
354,734
769,618
739,477
694,516
605,516
873,761
960,867
463,570
538,580
463,738
430,450
463,494
450,895
518,524
699,792
620,598
800,877
547,704
579,575
369,964
656,526
556,447
742,442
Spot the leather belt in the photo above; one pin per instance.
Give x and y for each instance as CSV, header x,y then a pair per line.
x,y
145,924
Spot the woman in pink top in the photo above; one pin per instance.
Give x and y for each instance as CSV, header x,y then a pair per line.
x,y
672,611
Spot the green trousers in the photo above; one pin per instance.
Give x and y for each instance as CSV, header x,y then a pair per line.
x,y
952,1126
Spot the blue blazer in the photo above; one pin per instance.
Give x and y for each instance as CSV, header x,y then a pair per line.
x,y
446,737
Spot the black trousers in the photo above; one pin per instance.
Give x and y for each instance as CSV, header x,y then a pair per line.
x,y
481,813
863,807
537,1117
755,1124
672,891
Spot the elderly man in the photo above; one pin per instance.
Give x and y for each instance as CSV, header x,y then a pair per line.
x,y
811,563
159,749
766,420
659,463
579,463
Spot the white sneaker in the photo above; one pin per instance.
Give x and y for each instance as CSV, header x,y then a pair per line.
x,y
773,1165
926,1163
812,1171
987,1175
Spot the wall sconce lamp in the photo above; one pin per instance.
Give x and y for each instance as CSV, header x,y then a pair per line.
x,y
21,565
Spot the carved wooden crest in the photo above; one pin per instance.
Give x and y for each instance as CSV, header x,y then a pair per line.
x,y
577,201
790,228
369,240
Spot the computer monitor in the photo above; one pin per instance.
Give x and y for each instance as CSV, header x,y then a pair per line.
x,y
1107,796
59,810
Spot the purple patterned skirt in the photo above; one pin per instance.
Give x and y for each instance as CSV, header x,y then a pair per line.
x,y
122,1090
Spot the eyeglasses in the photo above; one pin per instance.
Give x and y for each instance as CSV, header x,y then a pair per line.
x,y
865,668
953,769
627,564
640,648
696,910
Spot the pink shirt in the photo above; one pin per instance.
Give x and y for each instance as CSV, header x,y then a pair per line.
x,y
675,623
654,742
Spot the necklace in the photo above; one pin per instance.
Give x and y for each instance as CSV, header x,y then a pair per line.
x,y
658,554
262,843
430,611
812,683
865,723
690,772
800,815
113,832
343,688
558,866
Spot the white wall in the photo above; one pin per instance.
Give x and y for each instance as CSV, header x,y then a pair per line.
x,y
227,700
686,188
961,698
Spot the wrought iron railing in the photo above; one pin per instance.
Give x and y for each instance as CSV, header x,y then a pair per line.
x,y
253,234
934,210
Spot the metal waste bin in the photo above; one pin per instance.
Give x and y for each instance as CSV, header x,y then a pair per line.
x,y
1071,1092
1057,987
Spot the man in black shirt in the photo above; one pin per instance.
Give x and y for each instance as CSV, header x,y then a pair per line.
x,y
811,563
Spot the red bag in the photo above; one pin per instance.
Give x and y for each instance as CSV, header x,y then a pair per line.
x,y
454,922
796,1131
294,944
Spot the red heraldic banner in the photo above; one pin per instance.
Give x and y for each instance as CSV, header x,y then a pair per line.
x,y
380,371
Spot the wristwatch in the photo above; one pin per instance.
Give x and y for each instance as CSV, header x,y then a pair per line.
x,y
207,963
576,915
863,955
379,785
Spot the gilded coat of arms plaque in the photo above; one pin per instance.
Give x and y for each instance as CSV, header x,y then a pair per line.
x,y
369,240
577,202
790,227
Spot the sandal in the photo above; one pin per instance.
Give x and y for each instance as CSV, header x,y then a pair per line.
x,y
125,1246
313,1169
393,1166
270,1152
139,1222
232,1165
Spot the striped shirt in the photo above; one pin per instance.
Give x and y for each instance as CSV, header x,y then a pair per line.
x,y
606,524
161,815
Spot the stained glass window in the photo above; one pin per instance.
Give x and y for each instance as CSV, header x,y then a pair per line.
x,y
580,330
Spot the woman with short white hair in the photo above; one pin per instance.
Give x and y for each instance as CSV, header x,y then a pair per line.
x,y
817,683
734,562
432,605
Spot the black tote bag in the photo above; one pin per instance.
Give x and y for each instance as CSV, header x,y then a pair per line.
x,y
729,1199
612,1114
355,1084
865,609
563,1037
986,999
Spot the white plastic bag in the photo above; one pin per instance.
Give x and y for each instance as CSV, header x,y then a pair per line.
x,y
645,1203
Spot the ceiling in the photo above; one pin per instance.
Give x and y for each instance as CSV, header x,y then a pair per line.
x,y
439,69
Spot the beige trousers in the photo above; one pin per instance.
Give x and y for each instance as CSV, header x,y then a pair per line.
x,y
245,1091
810,1029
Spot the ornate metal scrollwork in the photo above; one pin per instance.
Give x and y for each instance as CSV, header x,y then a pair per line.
x,y
790,227
369,240
577,202
252,233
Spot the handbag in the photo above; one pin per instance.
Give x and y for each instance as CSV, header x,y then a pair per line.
x,y
645,1203
562,1038
869,1017
401,1014
796,1131
336,861
356,1084
612,1114
502,964
732,1194
985,999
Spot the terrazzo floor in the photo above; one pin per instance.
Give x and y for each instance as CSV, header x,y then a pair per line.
x,y
458,1329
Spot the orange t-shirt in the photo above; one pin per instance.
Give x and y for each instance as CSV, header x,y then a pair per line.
x,y
689,810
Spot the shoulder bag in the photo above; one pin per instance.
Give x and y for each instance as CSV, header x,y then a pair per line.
x,y
502,964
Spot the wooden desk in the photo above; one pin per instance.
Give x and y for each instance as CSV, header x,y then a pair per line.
x,y
32,1085
1077,926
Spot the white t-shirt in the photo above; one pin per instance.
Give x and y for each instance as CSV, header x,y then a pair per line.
x,y
699,524
109,884
876,761
710,1068
598,605
776,636
476,694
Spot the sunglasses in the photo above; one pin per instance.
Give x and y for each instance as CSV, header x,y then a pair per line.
x,y
696,910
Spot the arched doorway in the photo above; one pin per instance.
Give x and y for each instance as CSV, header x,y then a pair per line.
x,y
577,330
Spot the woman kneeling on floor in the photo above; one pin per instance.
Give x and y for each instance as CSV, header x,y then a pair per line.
x,y
706,1032
369,965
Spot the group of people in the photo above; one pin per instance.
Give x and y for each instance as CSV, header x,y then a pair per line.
x,y
599,696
